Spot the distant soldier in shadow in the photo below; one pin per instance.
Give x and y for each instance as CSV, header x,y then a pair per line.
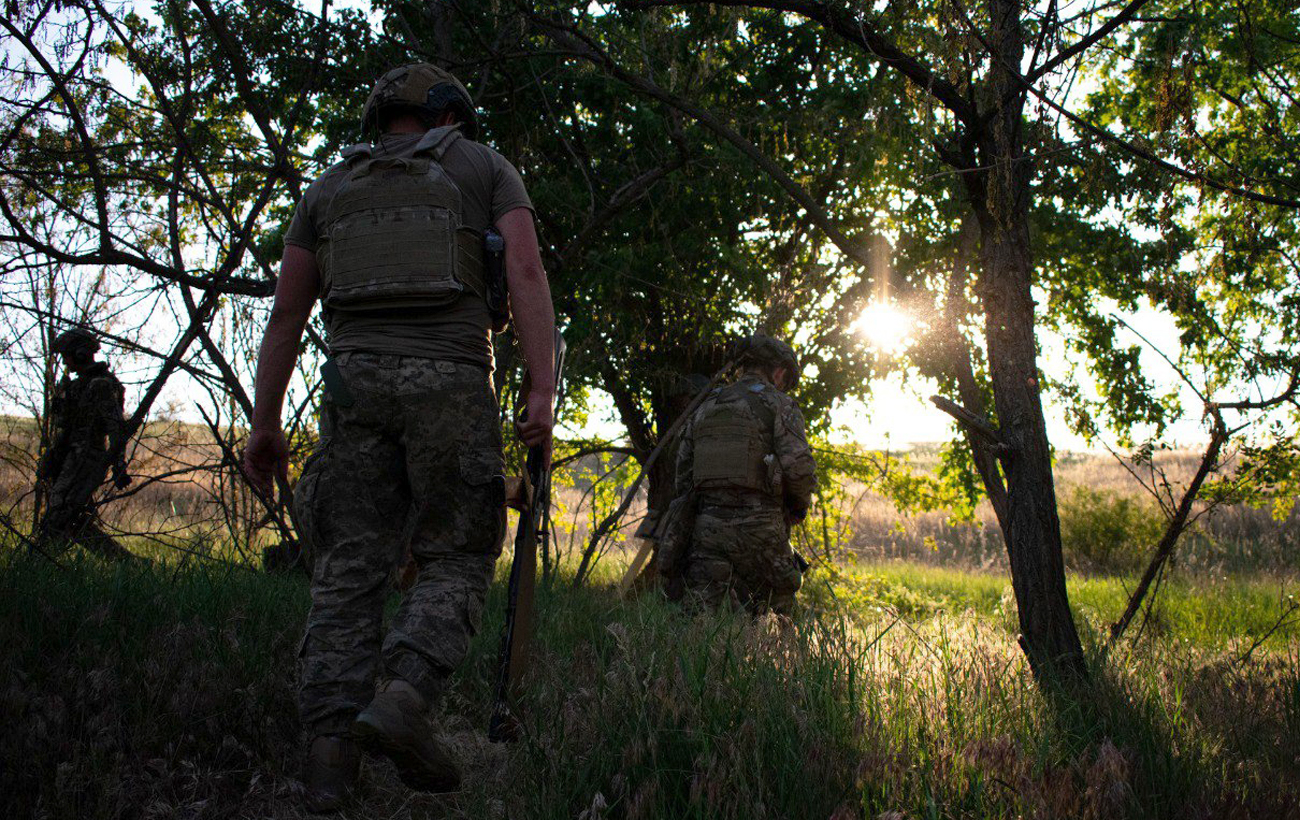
x,y
745,475
85,417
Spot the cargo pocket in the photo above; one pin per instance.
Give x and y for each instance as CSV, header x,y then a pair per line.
x,y
483,515
306,502
483,466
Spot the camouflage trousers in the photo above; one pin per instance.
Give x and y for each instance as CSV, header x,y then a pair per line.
x,y
741,556
414,459
69,516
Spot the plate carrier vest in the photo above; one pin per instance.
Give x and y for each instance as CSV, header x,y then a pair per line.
x,y
394,236
733,439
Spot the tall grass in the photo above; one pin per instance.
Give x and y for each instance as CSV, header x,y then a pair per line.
x,y
136,690
1233,538
162,691
1205,610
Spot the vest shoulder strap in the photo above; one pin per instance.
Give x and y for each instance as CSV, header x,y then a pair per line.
x,y
436,141
357,153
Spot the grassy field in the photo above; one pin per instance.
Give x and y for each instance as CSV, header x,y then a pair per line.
x,y
167,691
1209,611
185,497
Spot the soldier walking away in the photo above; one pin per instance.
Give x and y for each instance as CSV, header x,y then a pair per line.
x,y
391,241
746,473
85,421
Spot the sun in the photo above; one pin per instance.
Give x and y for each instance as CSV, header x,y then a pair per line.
x,y
885,327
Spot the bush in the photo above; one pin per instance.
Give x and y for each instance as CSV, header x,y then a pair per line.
x,y
1105,532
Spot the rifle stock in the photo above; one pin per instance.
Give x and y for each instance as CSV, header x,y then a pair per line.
x,y
517,636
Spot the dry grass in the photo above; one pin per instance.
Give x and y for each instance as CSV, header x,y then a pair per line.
x,y
186,498
1233,538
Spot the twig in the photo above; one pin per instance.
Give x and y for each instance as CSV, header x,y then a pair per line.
x,y
1282,621
29,542
1175,528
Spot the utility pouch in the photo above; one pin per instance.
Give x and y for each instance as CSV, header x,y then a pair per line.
x,y
494,263
678,525
334,384
775,484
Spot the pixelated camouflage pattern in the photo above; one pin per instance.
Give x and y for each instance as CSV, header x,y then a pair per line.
x,y
739,543
415,458
85,413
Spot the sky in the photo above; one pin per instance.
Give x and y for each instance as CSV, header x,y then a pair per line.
x,y
899,413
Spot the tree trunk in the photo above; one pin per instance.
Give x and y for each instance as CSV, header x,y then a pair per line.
x,y
1033,530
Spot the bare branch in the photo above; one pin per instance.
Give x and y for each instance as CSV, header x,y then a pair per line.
x,y
1174,529
1123,16
976,423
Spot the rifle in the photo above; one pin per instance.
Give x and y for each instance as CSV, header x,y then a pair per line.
x,y
518,632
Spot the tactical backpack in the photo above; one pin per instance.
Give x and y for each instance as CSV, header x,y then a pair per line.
x,y
394,236
733,440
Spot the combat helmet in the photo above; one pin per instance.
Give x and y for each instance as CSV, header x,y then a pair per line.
x,y
766,351
421,87
75,339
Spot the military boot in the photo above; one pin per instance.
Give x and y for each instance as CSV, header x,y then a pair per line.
x,y
395,725
330,772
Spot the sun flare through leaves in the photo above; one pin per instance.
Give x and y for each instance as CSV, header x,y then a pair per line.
x,y
886,327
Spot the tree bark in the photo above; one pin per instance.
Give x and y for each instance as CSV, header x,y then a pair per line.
x,y
1033,530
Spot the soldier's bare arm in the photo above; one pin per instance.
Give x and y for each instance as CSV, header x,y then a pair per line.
x,y
267,452
534,320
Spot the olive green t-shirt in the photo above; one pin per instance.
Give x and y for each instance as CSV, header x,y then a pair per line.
x,y
489,187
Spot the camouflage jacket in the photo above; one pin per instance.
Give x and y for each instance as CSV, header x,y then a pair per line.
x,y
85,415
794,470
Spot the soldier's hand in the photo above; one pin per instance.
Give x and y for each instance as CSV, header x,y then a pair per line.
x,y
120,478
266,456
535,427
